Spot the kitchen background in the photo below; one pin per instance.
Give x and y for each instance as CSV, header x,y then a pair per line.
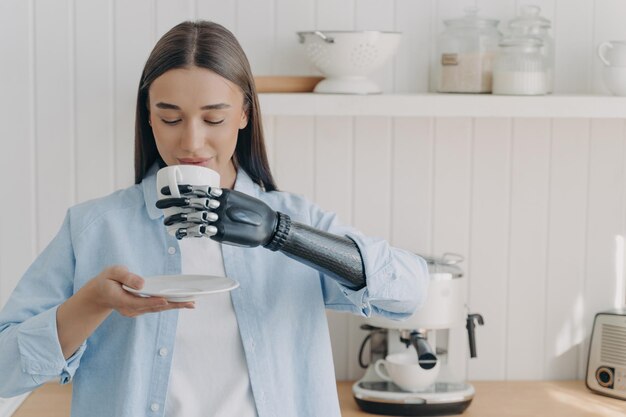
x,y
536,205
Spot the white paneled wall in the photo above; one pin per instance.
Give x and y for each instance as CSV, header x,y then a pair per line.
x,y
537,206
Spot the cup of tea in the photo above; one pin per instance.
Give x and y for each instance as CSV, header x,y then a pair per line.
x,y
174,175
404,370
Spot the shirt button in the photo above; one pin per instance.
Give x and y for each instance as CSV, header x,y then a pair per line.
x,y
171,250
154,407
163,352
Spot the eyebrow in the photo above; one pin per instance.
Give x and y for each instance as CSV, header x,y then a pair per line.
x,y
169,106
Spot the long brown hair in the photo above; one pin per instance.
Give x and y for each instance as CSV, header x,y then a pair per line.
x,y
211,46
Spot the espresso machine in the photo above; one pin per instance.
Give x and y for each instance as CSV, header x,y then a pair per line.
x,y
435,334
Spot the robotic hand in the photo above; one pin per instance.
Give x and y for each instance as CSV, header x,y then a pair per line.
x,y
235,218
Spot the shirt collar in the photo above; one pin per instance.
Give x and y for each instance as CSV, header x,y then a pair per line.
x,y
243,183
150,193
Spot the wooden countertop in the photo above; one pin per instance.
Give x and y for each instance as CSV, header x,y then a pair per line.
x,y
493,399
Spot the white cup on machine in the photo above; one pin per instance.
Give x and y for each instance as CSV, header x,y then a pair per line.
x,y
174,175
404,370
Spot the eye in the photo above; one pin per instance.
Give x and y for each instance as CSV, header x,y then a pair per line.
x,y
170,122
214,122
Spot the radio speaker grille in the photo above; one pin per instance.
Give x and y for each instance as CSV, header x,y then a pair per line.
x,y
613,346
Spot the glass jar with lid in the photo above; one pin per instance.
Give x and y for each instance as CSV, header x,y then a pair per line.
x,y
520,68
465,51
530,23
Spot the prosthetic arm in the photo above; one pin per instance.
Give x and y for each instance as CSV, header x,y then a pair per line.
x,y
235,218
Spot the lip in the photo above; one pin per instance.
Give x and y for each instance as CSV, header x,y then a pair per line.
x,y
193,161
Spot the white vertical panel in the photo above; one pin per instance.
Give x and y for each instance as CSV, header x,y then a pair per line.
x,y
574,48
54,115
169,13
605,218
608,25
335,14
414,19
451,204
294,138
219,11
451,212
528,240
374,15
255,32
94,99
292,16
333,192
372,175
566,248
17,240
489,245
334,165
135,30
411,189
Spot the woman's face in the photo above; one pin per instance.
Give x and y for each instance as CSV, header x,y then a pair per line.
x,y
195,116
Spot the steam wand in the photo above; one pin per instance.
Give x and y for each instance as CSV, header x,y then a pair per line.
x,y
470,331
425,356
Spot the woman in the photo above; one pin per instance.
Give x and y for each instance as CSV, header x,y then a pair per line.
x,y
262,349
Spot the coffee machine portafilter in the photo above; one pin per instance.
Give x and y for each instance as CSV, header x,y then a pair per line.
x,y
435,334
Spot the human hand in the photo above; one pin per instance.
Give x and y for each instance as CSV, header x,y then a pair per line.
x,y
224,215
106,291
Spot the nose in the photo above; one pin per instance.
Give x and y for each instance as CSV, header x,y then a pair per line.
x,y
192,137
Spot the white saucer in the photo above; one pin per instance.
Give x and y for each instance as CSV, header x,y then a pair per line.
x,y
180,288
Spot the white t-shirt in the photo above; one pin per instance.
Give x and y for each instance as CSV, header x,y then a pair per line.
x,y
209,375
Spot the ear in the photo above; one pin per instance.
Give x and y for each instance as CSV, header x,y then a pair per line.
x,y
244,119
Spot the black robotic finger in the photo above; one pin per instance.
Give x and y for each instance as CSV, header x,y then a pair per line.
x,y
197,217
196,231
186,202
196,190
203,203
172,202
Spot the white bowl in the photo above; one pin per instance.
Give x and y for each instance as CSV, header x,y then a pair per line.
x,y
346,58
615,80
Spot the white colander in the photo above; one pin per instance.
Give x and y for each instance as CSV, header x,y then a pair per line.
x,y
346,58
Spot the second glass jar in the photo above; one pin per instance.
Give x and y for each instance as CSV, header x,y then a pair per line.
x,y
520,68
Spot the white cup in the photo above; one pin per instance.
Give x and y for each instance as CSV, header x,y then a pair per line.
x,y
403,370
615,80
613,53
174,175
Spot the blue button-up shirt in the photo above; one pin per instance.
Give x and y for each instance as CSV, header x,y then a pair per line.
x,y
121,370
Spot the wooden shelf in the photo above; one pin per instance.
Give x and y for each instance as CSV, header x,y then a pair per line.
x,y
442,105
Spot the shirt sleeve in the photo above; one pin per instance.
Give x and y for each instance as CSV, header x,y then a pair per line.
x,y
396,280
31,351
